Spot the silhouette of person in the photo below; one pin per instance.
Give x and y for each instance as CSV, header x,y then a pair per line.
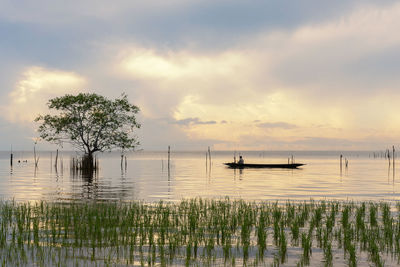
x,y
240,161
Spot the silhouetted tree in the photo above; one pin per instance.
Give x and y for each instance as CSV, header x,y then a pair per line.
x,y
91,123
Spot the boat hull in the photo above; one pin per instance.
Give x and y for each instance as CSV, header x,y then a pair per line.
x,y
276,166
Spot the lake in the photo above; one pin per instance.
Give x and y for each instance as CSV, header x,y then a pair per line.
x,y
148,178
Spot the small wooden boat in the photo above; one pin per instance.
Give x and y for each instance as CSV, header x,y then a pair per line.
x,y
248,165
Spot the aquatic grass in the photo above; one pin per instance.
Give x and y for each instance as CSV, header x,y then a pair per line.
x,y
282,245
306,244
327,252
196,232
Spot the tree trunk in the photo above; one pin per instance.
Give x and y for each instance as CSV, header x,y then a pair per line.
x,y
87,161
87,165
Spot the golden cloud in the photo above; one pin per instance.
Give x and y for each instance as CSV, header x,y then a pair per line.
x,y
297,77
142,63
35,87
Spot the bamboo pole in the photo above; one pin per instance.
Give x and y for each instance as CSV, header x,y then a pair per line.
x,y
169,162
393,155
169,156
394,167
11,157
35,158
56,161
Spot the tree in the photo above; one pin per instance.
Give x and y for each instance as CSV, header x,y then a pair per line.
x,y
90,122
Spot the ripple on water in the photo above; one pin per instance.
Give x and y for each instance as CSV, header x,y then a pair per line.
x,y
148,178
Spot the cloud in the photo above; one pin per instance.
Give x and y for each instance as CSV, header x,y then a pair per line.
x,y
326,142
339,58
151,137
298,78
306,63
201,23
192,121
49,12
282,125
295,69
144,63
35,87
250,142
170,80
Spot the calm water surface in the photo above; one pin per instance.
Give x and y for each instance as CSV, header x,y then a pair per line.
x,y
148,178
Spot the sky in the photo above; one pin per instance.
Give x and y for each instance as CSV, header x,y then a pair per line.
x,y
232,75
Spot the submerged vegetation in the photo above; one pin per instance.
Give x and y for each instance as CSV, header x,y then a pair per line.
x,y
199,232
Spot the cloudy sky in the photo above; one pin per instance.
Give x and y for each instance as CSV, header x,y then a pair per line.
x,y
233,75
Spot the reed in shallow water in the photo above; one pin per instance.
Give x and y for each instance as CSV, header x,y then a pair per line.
x,y
198,232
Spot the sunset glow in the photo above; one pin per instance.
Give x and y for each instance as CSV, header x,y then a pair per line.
x,y
313,82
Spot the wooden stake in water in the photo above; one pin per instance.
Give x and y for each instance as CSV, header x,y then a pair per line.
x,y
34,155
11,157
169,160
169,156
56,161
341,158
210,162
394,167
394,155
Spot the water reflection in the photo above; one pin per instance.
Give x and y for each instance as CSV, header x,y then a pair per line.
x,y
235,171
391,174
184,177
394,171
89,185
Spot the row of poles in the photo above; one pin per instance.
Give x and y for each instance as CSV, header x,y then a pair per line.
x,y
384,154
36,158
389,154
208,159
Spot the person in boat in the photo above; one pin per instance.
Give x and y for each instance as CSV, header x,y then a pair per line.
x,y
241,160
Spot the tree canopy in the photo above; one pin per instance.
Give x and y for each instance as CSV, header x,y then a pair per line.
x,y
90,122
